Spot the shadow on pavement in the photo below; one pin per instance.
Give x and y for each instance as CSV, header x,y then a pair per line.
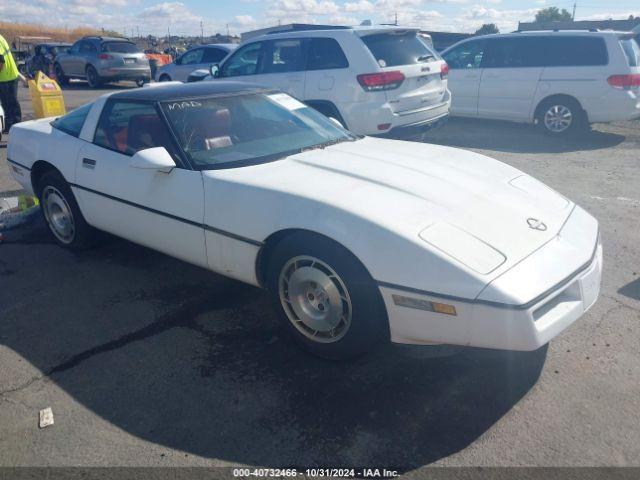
x,y
631,289
184,358
515,138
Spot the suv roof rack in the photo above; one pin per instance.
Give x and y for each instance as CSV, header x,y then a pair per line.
x,y
100,37
301,27
565,30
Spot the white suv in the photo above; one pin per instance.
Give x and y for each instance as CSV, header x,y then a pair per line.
x,y
560,80
373,80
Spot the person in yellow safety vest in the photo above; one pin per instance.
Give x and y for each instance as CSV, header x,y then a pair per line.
x,y
9,77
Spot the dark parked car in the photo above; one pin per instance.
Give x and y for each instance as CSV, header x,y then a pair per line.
x,y
103,59
44,56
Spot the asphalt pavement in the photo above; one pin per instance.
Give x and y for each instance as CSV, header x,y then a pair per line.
x,y
148,361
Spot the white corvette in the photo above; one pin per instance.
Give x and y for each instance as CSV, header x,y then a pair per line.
x,y
357,239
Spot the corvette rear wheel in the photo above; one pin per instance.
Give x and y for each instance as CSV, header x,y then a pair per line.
x,y
61,213
325,297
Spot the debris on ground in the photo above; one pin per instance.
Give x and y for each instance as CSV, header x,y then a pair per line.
x,y
46,417
16,210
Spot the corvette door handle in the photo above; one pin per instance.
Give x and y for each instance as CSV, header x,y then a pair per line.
x,y
88,163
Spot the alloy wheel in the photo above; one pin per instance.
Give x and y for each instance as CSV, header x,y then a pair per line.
x,y
315,299
58,214
558,118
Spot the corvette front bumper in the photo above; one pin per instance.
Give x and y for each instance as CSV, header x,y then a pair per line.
x,y
522,309
504,328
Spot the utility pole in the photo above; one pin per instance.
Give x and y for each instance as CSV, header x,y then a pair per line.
x,y
201,32
573,16
396,21
138,31
227,29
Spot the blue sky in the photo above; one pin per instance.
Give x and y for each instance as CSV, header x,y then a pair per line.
x,y
185,16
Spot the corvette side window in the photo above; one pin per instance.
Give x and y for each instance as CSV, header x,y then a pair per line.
x,y
72,122
128,127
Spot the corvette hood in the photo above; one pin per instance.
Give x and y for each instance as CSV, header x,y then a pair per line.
x,y
481,212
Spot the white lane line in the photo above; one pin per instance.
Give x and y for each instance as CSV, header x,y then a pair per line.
x,y
620,199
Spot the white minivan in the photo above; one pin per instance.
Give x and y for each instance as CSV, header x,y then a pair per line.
x,y
372,79
560,80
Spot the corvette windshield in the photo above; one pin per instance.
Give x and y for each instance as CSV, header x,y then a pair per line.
x,y
222,132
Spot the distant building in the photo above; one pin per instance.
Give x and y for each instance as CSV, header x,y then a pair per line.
x,y
618,25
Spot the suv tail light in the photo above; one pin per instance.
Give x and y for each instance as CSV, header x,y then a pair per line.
x,y
444,70
624,81
105,56
374,82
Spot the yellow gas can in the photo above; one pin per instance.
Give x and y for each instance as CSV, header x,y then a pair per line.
x,y
46,97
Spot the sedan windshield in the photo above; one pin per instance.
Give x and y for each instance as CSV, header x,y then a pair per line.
x,y
233,131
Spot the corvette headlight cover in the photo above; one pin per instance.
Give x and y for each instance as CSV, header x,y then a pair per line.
x,y
464,247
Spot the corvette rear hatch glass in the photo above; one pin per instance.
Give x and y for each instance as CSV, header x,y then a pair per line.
x,y
239,130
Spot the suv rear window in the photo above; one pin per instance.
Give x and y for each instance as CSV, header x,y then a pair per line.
x,y
120,47
393,49
631,51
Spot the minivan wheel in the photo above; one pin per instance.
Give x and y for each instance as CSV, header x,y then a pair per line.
x,y
164,78
140,82
325,297
561,116
92,77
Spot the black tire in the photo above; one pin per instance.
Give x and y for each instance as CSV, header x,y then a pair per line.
x,y
558,107
140,82
62,79
164,78
53,184
368,318
93,79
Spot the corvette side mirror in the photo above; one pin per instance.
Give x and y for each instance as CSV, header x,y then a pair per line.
x,y
214,70
156,158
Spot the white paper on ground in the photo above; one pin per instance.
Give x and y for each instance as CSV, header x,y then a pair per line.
x,y
46,417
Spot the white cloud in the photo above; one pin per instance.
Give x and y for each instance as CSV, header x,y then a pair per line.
x,y
129,15
359,7
244,20
306,7
343,20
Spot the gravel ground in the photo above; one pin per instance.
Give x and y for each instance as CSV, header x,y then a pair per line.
x,y
146,360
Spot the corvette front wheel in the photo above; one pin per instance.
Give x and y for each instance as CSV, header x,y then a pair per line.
x,y
326,298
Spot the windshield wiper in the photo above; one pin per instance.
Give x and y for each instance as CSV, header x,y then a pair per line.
x,y
326,144
424,58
